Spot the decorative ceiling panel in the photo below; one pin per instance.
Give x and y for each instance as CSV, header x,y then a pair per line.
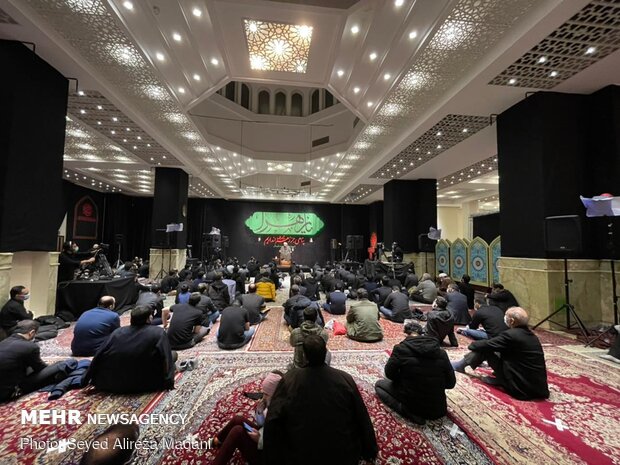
x,y
482,168
361,191
448,132
589,36
89,181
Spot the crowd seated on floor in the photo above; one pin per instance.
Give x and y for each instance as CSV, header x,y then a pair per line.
x,y
142,357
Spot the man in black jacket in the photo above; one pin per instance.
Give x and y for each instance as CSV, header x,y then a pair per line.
x,y
135,358
336,302
14,311
418,373
457,305
516,357
170,282
312,287
381,293
440,322
315,399
396,306
254,304
186,326
151,297
467,290
21,368
501,297
294,308
490,317
69,260
218,293
209,312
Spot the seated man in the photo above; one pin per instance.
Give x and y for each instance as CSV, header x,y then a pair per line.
x,y
322,400
254,304
501,297
170,282
490,317
418,373
134,359
516,357
336,302
396,306
128,271
297,281
381,293
182,294
186,328
266,288
234,331
294,308
21,366
467,290
440,322
311,284
151,297
411,280
209,312
219,293
425,292
363,319
14,311
298,336
93,327
457,305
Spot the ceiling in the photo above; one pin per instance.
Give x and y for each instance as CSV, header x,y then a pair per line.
x,y
327,100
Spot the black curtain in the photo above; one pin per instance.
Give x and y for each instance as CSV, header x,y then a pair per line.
x,y
486,226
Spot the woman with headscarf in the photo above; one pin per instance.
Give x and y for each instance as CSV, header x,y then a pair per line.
x,y
244,434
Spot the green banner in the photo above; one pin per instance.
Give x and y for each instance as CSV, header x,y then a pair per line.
x,y
292,224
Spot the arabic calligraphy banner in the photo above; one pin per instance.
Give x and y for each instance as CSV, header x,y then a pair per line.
x,y
285,223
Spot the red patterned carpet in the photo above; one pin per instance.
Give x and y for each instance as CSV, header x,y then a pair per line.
x,y
579,423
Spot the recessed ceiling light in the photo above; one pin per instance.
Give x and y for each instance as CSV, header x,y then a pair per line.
x,y
114,118
355,29
99,107
387,76
398,3
356,90
413,34
128,5
127,129
197,12
512,81
590,50
438,133
553,73
370,104
99,123
372,56
83,112
81,93
196,77
542,59
160,56
176,36
181,90
112,132
340,73
215,61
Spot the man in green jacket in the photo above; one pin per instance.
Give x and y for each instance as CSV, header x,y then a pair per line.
x,y
363,319
298,335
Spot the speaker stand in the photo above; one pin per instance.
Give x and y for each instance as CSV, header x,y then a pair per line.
x,y
570,310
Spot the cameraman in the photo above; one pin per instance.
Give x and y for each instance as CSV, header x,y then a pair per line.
x,y
70,259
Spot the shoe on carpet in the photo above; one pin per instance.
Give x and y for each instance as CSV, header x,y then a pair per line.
x,y
611,358
253,395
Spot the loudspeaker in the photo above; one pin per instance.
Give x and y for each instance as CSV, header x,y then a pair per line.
x,y
354,242
225,242
563,234
425,244
349,242
213,240
333,244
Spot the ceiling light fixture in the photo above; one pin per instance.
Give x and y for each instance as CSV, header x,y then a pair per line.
x,y
398,3
128,5
197,12
181,90
413,35
176,36
553,74
590,50
356,90
215,61
196,77
370,104
387,76
340,73
542,59
355,29
160,56
512,81
372,56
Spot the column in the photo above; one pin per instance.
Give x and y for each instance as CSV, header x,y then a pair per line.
x,y
6,262
169,207
38,271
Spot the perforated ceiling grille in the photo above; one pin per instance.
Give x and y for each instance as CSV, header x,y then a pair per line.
x,y
451,130
362,191
589,36
474,171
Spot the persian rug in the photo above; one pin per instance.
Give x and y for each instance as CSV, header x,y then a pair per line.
x,y
578,424
208,397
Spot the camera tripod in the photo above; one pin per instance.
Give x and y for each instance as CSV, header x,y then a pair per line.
x,y
570,309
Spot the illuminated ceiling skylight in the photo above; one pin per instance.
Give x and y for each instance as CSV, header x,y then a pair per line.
x,y
278,46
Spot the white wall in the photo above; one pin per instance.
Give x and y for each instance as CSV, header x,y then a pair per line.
x,y
450,221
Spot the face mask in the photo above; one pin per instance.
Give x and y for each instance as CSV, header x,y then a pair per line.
x,y
506,321
76,249
25,296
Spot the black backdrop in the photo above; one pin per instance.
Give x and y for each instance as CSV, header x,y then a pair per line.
x,y
230,216
486,226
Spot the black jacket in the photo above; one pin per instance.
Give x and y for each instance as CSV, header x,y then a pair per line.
x,y
218,293
169,283
381,293
468,291
503,299
12,312
315,402
439,324
312,288
294,309
399,304
17,355
523,362
491,318
134,359
457,305
421,372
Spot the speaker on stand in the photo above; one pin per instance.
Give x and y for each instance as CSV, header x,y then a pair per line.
x,y
563,237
